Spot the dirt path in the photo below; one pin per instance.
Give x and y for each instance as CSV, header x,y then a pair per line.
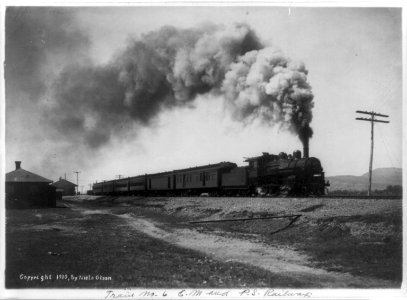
x,y
276,259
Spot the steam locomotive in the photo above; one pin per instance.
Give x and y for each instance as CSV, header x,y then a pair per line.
x,y
267,174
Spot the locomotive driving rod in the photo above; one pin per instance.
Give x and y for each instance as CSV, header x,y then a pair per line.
x,y
295,217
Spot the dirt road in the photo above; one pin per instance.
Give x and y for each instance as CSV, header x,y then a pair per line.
x,y
273,258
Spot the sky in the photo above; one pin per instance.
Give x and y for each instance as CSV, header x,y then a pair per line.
x,y
112,91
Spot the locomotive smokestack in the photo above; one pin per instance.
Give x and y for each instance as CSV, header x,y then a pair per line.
x,y
306,147
305,133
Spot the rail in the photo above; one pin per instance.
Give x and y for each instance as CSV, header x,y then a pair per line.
x,y
245,219
292,219
362,197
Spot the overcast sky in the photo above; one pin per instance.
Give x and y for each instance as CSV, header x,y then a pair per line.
x,y
352,58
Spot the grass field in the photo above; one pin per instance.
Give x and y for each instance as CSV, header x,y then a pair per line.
x,y
148,242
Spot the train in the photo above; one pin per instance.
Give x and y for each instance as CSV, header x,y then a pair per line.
x,y
267,174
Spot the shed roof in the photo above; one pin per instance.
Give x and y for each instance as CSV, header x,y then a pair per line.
x,y
63,183
21,175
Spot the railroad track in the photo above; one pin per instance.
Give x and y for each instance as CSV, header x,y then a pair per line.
x,y
363,197
333,196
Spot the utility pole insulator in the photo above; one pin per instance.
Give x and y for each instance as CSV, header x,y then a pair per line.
x,y
372,120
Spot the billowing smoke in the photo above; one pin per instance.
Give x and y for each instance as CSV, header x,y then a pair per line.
x,y
265,84
38,42
168,68
87,103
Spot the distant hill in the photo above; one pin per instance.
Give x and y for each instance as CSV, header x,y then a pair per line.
x,y
381,178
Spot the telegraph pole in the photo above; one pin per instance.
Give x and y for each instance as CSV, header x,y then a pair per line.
x,y
77,181
372,120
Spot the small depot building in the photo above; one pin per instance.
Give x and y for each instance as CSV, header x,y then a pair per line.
x,y
64,187
28,190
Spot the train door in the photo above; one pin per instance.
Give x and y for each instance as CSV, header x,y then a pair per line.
x,y
183,180
174,181
203,179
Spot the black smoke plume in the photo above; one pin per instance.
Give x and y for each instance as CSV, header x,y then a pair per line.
x,y
168,68
164,69
38,41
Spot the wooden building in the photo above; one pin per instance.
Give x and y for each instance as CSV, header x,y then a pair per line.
x,y
25,189
65,187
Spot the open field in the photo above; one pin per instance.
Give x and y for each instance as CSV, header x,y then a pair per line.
x,y
149,242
